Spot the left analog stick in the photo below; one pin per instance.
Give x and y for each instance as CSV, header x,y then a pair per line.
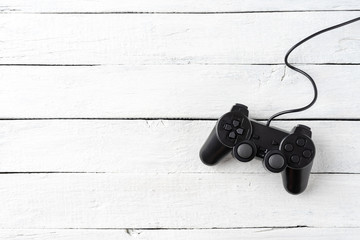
x,y
244,151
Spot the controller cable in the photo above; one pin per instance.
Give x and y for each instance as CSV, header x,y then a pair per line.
x,y
304,73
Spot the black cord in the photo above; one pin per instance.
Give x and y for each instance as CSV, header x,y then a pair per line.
x,y
304,73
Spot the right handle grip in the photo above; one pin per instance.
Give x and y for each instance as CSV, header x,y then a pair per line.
x,y
296,180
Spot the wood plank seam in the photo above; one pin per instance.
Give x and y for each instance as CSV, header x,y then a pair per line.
x,y
167,173
15,11
173,119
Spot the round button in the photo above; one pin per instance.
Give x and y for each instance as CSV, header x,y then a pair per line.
x,y
300,142
244,151
289,147
295,158
276,161
307,153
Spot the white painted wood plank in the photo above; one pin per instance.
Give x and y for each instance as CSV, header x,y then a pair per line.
x,y
171,5
151,147
206,234
175,201
175,38
175,91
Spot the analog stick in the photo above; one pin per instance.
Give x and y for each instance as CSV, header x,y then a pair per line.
x,y
244,151
274,161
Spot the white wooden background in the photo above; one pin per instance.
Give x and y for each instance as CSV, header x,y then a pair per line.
x,y
105,104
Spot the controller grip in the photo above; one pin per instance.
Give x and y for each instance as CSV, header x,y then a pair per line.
x,y
213,150
296,180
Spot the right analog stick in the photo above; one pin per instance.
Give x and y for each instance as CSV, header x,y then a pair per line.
x,y
244,151
274,161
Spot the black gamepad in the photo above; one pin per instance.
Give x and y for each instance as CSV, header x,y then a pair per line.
x,y
290,153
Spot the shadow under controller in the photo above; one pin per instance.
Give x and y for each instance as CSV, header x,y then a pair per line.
x,y
291,153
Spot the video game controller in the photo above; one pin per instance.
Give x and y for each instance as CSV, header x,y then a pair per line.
x,y
290,153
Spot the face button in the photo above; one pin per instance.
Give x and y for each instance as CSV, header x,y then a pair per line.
x,y
245,151
227,127
239,131
295,158
300,142
232,135
303,151
289,147
307,153
276,161
236,123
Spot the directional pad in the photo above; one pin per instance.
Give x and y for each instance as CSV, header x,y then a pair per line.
x,y
236,123
233,127
227,127
240,131
232,135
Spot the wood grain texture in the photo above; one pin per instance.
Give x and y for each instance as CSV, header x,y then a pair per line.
x,y
102,176
172,6
175,38
151,147
175,201
175,91
205,234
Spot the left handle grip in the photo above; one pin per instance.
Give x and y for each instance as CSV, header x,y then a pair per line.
x,y
213,150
